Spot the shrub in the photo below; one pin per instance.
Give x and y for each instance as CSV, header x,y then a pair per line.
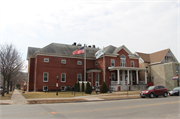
x,y
104,88
88,88
75,87
78,87
82,87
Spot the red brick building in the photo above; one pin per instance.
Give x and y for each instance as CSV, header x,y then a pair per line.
x,y
118,67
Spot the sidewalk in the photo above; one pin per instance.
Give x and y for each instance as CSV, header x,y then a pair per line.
x,y
17,98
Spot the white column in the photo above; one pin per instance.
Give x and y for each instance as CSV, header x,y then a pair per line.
x,y
118,77
137,80
128,77
131,78
145,77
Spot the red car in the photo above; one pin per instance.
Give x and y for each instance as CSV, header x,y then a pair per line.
x,y
154,91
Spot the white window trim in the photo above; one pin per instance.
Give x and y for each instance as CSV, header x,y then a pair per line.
x,y
79,62
114,76
123,64
77,77
111,62
133,63
46,59
43,88
63,62
64,88
64,77
47,77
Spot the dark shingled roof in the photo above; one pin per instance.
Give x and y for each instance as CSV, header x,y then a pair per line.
x,y
62,49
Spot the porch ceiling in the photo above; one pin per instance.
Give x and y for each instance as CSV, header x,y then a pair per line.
x,y
93,70
126,68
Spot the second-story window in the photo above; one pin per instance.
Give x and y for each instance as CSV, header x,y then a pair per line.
x,y
112,62
132,63
79,62
123,61
63,61
46,59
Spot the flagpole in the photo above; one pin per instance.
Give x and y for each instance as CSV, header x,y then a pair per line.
x,y
103,64
84,62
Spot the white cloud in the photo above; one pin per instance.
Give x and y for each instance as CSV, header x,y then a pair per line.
x,y
141,26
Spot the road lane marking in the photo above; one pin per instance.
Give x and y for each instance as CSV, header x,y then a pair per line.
x,y
113,108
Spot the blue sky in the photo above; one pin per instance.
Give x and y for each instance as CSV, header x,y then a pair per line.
x,y
141,25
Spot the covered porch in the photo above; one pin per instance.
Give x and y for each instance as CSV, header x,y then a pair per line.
x,y
127,78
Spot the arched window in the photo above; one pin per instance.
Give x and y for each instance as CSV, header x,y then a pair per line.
x,y
123,61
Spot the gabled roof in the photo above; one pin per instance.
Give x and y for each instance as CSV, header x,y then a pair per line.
x,y
153,57
122,47
158,56
145,57
109,49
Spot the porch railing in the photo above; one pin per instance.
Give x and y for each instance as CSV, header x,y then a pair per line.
x,y
141,82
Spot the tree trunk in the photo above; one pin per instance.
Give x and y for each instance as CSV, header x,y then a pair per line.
x,y
8,86
3,87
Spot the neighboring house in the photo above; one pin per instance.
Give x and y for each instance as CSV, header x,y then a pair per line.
x,y
162,67
118,68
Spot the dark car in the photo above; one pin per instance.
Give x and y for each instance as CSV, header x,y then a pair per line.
x,y
154,91
175,91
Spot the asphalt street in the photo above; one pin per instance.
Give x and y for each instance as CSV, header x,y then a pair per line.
x,y
156,108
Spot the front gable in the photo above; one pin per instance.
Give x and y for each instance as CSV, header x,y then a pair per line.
x,y
169,57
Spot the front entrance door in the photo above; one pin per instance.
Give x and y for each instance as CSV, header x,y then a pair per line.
x,y
97,82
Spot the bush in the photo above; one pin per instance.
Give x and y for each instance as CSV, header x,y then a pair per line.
x,y
82,87
78,87
88,88
104,88
17,86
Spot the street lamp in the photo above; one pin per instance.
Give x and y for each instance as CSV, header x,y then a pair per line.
x,y
57,85
110,84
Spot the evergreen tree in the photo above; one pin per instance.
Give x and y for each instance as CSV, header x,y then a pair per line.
x,y
88,88
75,87
104,88
78,87
82,86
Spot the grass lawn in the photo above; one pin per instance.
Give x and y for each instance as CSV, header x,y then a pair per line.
x,y
6,96
65,94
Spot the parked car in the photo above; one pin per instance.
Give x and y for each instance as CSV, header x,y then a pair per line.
x,y
154,91
175,91
1,89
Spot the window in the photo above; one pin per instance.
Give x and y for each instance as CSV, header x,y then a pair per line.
x,y
79,62
44,88
62,88
112,62
95,63
123,61
46,59
63,77
97,77
113,77
79,77
45,77
132,63
63,61
89,75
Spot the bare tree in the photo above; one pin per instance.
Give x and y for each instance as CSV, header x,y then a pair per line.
x,y
10,64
